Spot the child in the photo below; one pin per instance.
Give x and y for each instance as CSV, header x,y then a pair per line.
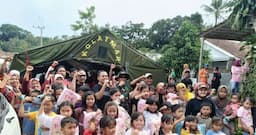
x,y
88,111
204,116
231,112
166,108
65,109
244,114
28,126
107,125
116,97
167,125
137,125
92,127
47,106
172,96
111,109
217,125
178,114
153,117
190,126
139,100
69,126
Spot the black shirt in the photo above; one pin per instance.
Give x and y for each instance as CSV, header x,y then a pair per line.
x,y
106,97
193,106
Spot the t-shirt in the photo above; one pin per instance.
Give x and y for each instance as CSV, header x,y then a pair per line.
x,y
193,106
33,116
245,115
236,73
206,121
28,126
106,97
142,132
211,132
152,119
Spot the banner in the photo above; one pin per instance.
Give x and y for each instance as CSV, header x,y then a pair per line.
x,y
68,95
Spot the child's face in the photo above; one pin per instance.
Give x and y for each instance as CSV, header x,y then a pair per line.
x,y
116,96
222,93
69,129
205,110
90,100
168,125
193,125
217,126
66,111
146,93
179,113
109,130
48,106
171,90
58,92
34,95
138,123
247,104
234,99
112,111
152,107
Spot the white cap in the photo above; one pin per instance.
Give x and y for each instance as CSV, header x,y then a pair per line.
x,y
14,72
148,75
58,76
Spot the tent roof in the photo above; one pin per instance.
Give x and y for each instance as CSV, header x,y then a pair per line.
x,y
224,31
99,49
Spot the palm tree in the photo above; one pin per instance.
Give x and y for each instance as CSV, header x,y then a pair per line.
x,y
217,8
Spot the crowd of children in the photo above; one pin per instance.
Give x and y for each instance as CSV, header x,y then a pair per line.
x,y
116,105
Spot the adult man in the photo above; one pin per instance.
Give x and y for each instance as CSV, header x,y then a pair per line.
x,y
81,78
102,89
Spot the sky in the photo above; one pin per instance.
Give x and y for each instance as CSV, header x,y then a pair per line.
x,y
57,15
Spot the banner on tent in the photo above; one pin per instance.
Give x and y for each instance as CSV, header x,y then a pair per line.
x,y
106,40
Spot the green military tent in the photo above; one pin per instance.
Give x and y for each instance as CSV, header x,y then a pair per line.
x,y
92,52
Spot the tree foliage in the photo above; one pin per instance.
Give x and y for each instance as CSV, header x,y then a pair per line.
x,y
184,47
242,17
16,39
217,8
85,24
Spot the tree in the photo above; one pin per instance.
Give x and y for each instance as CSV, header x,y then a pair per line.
x,y
85,23
16,39
135,33
216,8
161,31
184,48
8,31
242,17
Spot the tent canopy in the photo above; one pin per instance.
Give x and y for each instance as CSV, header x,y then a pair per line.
x,y
226,32
92,52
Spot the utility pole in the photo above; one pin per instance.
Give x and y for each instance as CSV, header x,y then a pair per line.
x,y
41,28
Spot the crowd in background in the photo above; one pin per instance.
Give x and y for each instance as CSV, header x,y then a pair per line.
x,y
118,105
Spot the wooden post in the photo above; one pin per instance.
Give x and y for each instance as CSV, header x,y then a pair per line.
x,y
201,55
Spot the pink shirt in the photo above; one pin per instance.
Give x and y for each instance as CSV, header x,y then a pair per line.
x,y
234,108
236,73
141,105
245,115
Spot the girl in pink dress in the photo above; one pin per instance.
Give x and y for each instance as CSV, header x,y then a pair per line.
x,y
111,109
87,112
